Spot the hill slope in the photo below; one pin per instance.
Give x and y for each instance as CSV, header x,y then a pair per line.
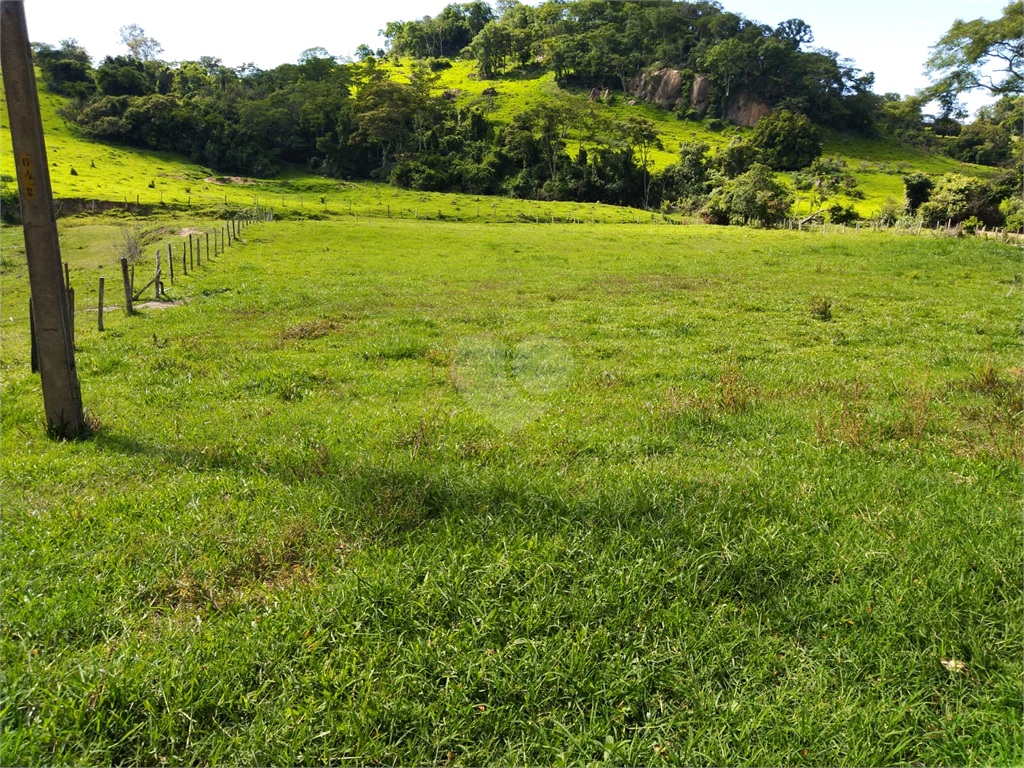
x,y
115,173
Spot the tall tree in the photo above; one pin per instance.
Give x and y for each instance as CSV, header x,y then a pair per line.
x,y
958,61
140,47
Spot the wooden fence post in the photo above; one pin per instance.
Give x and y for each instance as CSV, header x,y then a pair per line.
x,y
170,262
127,287
71,312
34,353
99,309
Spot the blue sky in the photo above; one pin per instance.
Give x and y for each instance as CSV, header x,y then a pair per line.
x,y
887,37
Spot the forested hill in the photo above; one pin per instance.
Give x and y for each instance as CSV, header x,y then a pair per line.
x,y
677,106
721,59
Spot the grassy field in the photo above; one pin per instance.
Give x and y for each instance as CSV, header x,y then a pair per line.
x,y
399,492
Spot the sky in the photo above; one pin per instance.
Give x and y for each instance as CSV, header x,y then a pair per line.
x,y
888,37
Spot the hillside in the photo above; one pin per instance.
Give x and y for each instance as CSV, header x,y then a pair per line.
x,y
117,173
876,163
111,172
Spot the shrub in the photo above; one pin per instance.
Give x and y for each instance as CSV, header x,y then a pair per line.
x,y
754,195
970,225
918,187
839,214
957,198
1013,209
436,65
890,211
736,158
10,204
826,176
786,141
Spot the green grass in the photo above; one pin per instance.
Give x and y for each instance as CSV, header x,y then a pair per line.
x,y
398,492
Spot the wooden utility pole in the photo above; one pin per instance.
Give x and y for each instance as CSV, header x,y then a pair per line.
x,y
62,397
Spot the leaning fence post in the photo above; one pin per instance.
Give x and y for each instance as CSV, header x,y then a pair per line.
x,y
99,309
127,287
170,262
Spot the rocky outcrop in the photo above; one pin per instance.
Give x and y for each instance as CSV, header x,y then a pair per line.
x,y
663,87
451,94
699,94
744,109
492,91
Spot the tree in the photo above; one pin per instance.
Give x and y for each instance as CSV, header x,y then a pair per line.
x,y
918,188
363,52
140,47
491,48
754,195
960,56
796,32
686,180
983,143
786,141
729,61
642,139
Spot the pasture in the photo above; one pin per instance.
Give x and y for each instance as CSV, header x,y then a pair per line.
x,y
404,492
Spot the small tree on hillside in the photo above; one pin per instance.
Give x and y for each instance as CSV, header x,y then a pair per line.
x,y
786,141
642,139
754,195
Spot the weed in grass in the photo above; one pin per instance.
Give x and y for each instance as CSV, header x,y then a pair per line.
x,y
821,308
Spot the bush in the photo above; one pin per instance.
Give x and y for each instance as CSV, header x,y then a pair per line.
x,y
971,225
736,158
918,189
754,195
826,176
10,204
890,211
786,141
957,198
1013,209
436,65
838,214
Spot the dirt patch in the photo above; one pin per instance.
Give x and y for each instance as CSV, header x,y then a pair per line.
x,y
228,180
170,176
186,231
159,304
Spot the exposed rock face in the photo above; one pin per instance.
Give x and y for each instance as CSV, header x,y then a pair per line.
x,y
594,93
746,110
492,91
451,94
699,93
663,87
